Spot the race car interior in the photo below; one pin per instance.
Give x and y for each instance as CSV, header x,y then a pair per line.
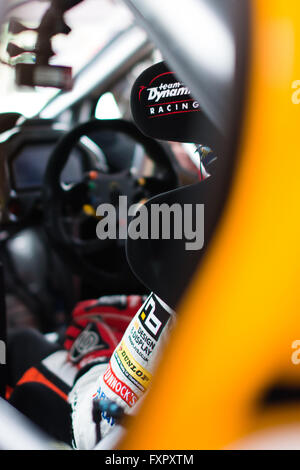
x,y
108,112
62,162
59,166
66,175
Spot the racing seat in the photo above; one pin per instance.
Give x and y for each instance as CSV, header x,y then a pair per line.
x,y
40,288
169,266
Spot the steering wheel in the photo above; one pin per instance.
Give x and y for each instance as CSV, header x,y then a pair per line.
x,y
70,210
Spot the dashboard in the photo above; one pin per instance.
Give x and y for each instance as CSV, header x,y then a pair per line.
x,y
29,147
26,150
29,165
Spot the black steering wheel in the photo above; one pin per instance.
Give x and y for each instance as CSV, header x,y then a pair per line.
x,y
70,209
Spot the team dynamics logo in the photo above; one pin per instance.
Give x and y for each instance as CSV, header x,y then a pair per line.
x,y
154,318
164,96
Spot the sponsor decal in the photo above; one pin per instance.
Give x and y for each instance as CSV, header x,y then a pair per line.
x,y
100,395
165,90
154,318
119,387
167,97
131,368
142,343
175,107
136,349
126,374
88,341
